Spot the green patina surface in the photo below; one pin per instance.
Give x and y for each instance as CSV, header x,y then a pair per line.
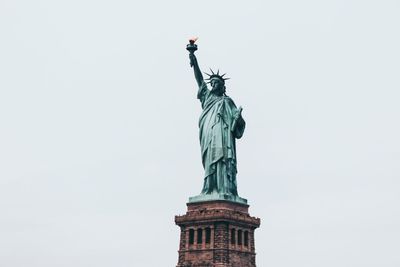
x,y
220,124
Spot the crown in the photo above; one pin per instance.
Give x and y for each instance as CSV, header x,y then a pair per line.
x,y
216,75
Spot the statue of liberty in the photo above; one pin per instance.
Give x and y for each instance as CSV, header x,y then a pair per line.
x,y
221,123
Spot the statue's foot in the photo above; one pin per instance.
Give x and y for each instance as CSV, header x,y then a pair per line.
x,y
217,196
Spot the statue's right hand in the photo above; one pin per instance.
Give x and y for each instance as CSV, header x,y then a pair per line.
x,y
192,59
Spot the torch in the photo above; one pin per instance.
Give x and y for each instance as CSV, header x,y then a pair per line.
x,y
191,46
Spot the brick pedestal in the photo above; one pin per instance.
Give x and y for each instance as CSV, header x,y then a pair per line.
x,y
217,234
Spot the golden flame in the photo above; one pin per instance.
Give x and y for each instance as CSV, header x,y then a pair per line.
x,y
193,39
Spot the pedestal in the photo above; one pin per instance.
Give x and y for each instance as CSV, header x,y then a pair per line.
x,y
217,234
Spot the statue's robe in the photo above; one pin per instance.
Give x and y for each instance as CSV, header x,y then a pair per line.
x,y
218,131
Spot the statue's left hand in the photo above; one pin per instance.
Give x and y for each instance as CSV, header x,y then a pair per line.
x,y
238,123
238,113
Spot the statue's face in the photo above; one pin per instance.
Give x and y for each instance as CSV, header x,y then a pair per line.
x,y
217,86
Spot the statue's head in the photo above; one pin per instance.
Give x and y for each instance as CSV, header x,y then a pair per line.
x,y
217,83
217,86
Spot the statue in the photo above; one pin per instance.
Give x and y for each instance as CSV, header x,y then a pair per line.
x,y
221,123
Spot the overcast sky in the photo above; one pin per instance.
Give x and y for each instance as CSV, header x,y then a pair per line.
x,y
99,139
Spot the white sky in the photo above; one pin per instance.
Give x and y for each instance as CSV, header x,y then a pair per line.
x,y
99,140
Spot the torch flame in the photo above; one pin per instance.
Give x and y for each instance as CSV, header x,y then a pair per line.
x,y
193,40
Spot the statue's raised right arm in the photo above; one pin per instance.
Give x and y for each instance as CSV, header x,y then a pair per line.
x,y
196,69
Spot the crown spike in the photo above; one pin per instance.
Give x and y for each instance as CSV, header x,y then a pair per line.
x,y
215,75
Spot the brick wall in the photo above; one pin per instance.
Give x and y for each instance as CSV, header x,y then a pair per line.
x,y
218,248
